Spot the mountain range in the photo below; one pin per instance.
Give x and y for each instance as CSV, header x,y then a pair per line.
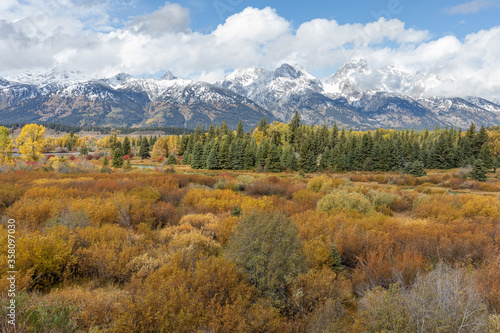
x,y
355,96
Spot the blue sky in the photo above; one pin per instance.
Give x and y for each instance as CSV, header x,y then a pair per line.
x,y
435,16
456,41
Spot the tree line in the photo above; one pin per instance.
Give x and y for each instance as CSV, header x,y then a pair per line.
x,y
277,147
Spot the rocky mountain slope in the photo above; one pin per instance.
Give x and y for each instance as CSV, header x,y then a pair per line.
x,y
355,96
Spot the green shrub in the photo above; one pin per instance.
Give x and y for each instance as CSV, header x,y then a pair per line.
x,y
346,201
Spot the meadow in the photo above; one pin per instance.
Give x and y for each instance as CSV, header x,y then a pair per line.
x,y
112,239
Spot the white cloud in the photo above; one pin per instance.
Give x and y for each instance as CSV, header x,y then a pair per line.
x,y
169,18
473,6
40,34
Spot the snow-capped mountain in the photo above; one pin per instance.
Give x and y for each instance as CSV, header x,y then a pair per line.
x,y
355,96
123,100
359,96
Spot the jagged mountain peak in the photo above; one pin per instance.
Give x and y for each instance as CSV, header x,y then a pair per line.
x,y
286,70
54,76
168,76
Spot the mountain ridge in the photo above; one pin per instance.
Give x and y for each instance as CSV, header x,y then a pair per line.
x,y
355,96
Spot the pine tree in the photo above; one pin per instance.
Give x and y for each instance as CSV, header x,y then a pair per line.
x,y
250,156
105,161
273,162
128,166
117,160
478,142
171,160
478,171
289,159
197,156
335,260
126,146
239,130
335,135
307,157
417,169
326,157
294,126
486,156
144,150
213,157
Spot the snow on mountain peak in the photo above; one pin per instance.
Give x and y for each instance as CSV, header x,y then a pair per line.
x,y
54,76
286,70
168,76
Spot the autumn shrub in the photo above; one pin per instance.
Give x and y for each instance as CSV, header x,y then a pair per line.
x,y
89,316
165,214
207,223
34,212
100,210
70,219
189,248
34,314
267,250
306,200
221,201
478,205
343,200
440,207
383,267
488,282
317,230
46,258
145,193
9,193
320,298
262,187
383,199
212,297
103,253
446,299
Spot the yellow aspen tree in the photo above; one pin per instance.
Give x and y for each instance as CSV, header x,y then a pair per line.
x,y
5,144
31,141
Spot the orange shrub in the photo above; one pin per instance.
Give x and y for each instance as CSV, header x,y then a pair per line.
x,y
440,207
165,214
32,214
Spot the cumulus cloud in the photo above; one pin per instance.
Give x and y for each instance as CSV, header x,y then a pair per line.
x,y
473,6
162,41
169,18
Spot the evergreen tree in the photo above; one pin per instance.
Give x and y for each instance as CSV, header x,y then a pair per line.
x,y
307,157
335,135
294,126
211,133
326,157
418,169
262,153
126,146
239,130
289,159
224,154
171,160
262,126
478,171
322,139
441,154
105,161
478,142
128,166
250,156
197,156
144,150
273,162
486,156
117,160
335,260
213,157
